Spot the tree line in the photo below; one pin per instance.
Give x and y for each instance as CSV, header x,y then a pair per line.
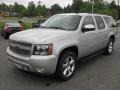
x,y
78,6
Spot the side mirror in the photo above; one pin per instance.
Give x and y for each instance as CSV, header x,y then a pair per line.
x,y
88,27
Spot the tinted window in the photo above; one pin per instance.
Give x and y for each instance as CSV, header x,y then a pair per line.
x,y
100,22
88,20
110,22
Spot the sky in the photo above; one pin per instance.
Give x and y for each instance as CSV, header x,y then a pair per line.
x,y
48,3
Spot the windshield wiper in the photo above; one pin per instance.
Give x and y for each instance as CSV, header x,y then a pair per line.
x,y
57,28
43,27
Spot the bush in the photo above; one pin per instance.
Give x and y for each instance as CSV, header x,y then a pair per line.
x,y
27,25
1,25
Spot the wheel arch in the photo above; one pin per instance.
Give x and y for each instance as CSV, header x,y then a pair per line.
x,y
73,48
112,37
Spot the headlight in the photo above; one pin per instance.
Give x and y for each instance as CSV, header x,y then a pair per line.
x,y
43,49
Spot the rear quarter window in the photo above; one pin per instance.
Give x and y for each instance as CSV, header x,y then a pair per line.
x,y
109,21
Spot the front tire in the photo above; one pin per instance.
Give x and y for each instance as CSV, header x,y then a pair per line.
x,y
109,48
66,65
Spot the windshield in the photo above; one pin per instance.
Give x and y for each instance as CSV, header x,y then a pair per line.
x,y
64,22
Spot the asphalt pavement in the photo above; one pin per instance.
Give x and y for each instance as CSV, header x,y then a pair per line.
x,y
99,73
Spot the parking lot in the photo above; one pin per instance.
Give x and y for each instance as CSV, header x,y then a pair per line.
x,y
99,73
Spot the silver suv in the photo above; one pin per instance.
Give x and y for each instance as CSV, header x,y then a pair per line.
x,y
60,42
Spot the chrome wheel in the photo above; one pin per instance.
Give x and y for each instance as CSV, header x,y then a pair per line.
x,y
68,66
110,47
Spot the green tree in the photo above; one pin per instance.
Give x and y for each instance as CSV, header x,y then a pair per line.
x,y
11,10
114,9
44,11
41,10
4,7
86,7
100,6
16,8
31,9
67,9
56,9
24,12
38,10
77,4
19,9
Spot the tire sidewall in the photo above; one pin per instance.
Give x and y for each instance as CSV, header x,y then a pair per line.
x,y
60,65
107,49
6,35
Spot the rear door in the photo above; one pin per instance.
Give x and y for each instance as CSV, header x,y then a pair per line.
x,y
100,32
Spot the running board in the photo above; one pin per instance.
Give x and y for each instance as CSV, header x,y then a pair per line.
x,y
90,56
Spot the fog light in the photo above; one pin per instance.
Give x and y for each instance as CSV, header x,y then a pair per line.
x,y
40,70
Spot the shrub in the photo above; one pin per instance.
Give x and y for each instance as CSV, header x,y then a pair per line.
x,y
1,25
27,25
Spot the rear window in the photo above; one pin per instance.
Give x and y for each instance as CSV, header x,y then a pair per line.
x,y
110,22
13,24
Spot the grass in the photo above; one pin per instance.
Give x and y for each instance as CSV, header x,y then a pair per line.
x,y
10,18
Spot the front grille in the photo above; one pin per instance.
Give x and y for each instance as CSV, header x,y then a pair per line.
x,y
21,43
20,48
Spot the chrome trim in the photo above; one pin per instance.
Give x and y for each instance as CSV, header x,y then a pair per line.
x,y
22,46
32,49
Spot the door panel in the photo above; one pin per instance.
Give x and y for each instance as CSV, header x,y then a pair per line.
x,y
87,43
100,32
87,40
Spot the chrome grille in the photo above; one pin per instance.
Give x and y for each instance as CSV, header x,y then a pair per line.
x,y
20,48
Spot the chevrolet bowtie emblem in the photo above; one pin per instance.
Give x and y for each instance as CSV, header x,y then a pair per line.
x,y
18,46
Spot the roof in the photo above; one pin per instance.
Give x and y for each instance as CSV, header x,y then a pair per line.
x,y
13,24
82,14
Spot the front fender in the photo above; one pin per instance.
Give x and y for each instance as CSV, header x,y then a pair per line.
x,y
61,45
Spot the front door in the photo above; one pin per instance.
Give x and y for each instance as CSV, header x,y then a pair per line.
x,y
87,39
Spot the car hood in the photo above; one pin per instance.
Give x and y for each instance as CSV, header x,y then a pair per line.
x,y
39,35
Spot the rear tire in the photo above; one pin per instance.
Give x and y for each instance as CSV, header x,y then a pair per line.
x,y
66,65
109,48
6,35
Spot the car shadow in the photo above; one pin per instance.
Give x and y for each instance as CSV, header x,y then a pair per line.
x,y
87,63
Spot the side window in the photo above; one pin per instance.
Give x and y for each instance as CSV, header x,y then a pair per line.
x,y
88,20
100,22
110,22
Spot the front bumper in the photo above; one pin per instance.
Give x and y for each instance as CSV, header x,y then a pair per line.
x,y
40,64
